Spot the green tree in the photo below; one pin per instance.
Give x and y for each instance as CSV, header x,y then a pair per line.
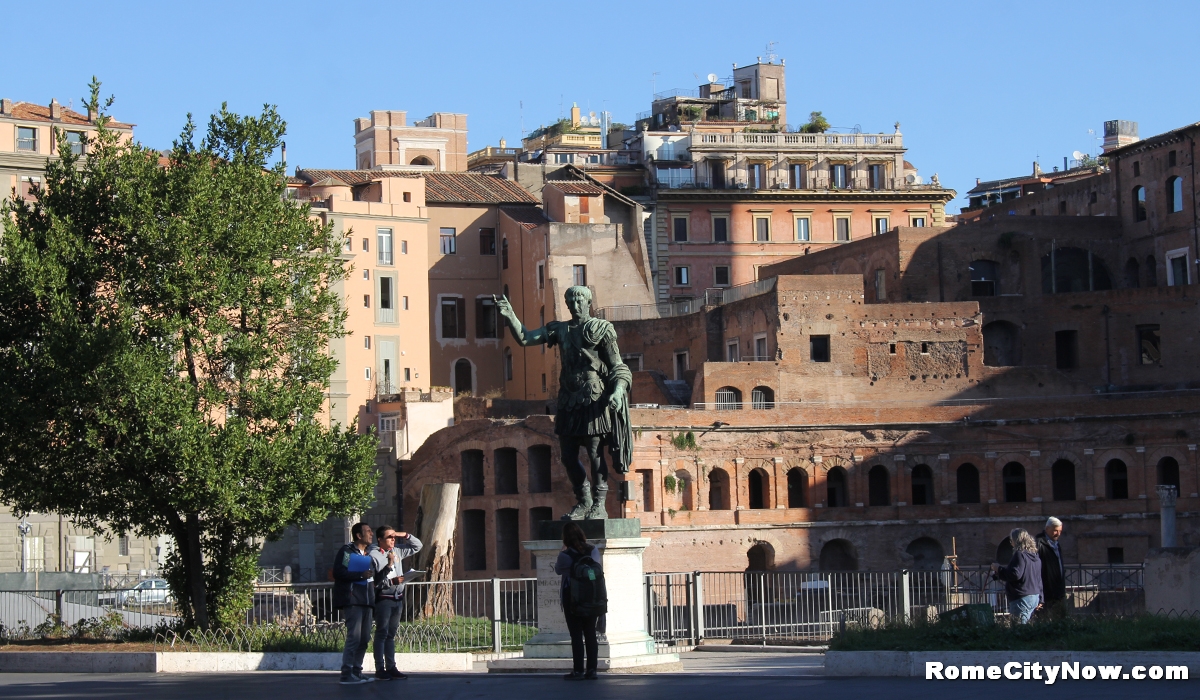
x,y
817,124
164,337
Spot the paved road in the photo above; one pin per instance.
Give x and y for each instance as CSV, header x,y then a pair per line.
x,y
740,676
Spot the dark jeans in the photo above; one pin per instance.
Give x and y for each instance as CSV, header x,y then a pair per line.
x,y
387,619
583,637
358,636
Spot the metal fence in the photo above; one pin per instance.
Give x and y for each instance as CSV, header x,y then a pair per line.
x,y
30,614
799,607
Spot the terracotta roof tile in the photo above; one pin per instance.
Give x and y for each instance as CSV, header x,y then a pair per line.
x,y
41,113
576,187
352,177
473,188
527,217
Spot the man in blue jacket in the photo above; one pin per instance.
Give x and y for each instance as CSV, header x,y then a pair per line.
x,y
354,595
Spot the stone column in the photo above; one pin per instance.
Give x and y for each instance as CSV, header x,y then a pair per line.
x,y
625,647
1166,501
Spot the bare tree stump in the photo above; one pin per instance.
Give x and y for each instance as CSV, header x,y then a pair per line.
x,y
437,518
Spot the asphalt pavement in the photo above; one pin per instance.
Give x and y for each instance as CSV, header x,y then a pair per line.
x,y
760,676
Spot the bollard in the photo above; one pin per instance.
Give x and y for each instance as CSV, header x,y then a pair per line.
x,y
58,605
905,598
496,630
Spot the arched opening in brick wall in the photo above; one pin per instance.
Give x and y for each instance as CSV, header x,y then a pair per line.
x,y
472,472
728,399
878,488
759,487
967,478
985,278
762,398
718,490
421,160
760,557
683,486
474,540
504,466
1168,473
1013,475
1062,480
508,539
1116,480
1074,270
838,555
927,554
1001,344
463,383
539,457
837,495
797,485
922,485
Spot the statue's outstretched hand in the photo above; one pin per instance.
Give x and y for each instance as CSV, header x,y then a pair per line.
x,y
504,307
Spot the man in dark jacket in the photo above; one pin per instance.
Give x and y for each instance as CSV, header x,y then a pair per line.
x,y
354,595
1053,570
388,557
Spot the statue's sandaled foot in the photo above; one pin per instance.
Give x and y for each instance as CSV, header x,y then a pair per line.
x,y
579,512
597,512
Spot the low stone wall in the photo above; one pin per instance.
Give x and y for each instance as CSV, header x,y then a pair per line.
x,y
1172,580
212,662
912,664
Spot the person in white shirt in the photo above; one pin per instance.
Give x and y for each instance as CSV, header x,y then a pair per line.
x,y
388,557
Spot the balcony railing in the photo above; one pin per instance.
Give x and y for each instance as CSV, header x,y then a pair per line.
x,y
786,140
493,152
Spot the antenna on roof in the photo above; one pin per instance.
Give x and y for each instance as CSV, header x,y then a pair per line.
x,y
712,77
771,51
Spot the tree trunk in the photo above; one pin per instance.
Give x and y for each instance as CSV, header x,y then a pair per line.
x,y
195,571
437,518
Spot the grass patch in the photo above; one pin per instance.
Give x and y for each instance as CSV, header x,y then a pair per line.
x,y
1142,633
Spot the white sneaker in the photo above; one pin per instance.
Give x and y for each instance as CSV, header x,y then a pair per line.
x,y
363,679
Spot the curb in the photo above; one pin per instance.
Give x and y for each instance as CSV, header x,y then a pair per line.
x,y
911,664
760,649
212,662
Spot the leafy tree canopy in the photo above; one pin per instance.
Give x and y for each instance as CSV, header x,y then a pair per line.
x,y
164,337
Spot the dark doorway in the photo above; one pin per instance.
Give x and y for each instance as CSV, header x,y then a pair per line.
x,y
539,469
472,472
1168,473
927,554
462,378
474,540
922,485
835,488
718,490
1004,552
1116,479
878,491
838,555
797,488
508,539
758,487
1014,483
968,483
1062,480
504,463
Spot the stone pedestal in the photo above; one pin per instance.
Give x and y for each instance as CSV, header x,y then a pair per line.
x,y
624,647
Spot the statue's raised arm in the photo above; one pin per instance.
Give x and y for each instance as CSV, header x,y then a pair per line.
x,y
522,335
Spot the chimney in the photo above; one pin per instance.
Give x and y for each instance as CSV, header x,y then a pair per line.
x,y
976,181
1037,168
5,106
55,110
1118,133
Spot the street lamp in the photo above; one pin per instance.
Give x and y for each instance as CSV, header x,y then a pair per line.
x,y
24,528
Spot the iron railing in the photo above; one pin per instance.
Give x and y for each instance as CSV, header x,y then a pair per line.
x,y
802,607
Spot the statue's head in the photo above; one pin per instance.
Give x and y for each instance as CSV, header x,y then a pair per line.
x,y
579,301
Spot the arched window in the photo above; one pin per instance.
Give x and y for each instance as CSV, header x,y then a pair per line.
x,y
927,554
985,278
718,490
760,489
878,489
1001,344
420,160
1174,194
504,253
1062,480
1139,203
1168,473
1004,552
836,495
1116,480
1073,270
922,485
472,472
1132,274
504,464
1014,482
967,477
797,485
761,557
1151,271
762,398
728,399
838,555
539,459
683,486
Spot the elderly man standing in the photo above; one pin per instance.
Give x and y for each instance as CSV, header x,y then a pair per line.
x,y
1053,570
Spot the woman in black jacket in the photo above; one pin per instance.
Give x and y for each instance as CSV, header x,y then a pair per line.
x,y
1022,577
581,627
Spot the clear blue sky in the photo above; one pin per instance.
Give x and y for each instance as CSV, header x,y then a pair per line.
x,y
980,89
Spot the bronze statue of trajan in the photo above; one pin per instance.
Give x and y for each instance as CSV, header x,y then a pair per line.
x,y
593,397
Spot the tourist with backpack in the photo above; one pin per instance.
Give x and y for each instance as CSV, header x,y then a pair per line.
x,y
584,599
